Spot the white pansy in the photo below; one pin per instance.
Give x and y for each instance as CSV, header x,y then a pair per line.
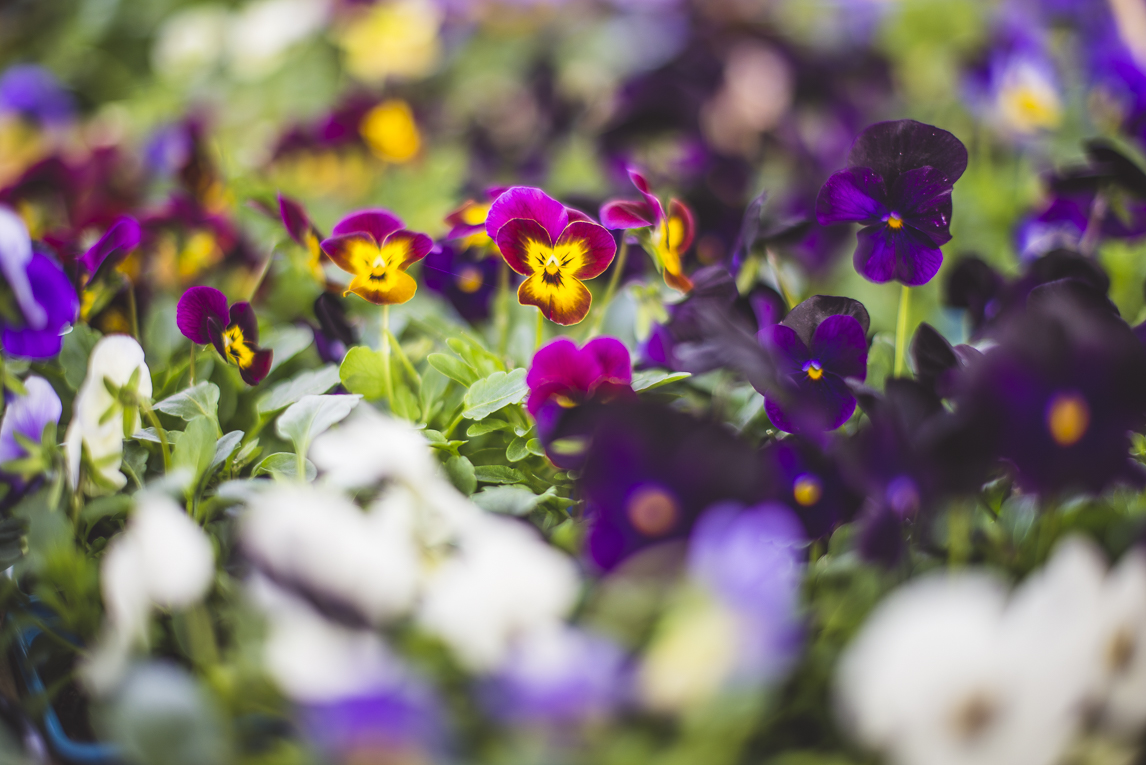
x,y
1122,646
370,447
319,540
190,41
115,358
503,580
261,32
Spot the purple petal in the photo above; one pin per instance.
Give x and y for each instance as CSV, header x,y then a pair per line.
x,y
378,223
612,358
851,195
530,204
787,348
894,148
817,405
906,255
923,199
34,92
840,347
294,219
625,214
15,254
28,415
259,367
56,297
195,310
121,238
243,315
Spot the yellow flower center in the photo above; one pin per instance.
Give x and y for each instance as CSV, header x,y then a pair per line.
x,y
815,370
1068,418
652,511
807,490
475,213
894,221
235,347
470,279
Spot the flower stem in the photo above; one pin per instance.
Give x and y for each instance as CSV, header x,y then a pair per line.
x,y
164,447
901,329
405,360
191,367
540,329
502,308
132,311
611,290
387,378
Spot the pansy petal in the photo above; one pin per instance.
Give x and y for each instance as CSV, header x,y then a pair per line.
x,y
197,306
840,347
351,252
121,238
398,288
592,244
612,357
855,194
682,225
562,299
294,219
378,223
642,185
786,348
56,297
626,214
415,246
906,255
15,253
260,365
530,204
525,244
874,257
925,200
677,281
893,148
823,404
215,330
243,316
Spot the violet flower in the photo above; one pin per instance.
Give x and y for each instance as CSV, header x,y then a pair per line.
x,y
203,317
334,335
121,237
38,299
898,185
27,416
464,277
808,480
35,94
817,346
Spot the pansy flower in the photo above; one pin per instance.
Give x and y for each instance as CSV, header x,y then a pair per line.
x,y
553,247
462,276
817,346
898,185
121,237
467,222
334,334
36,299
374,247
35,94
303,232
203,317
665,237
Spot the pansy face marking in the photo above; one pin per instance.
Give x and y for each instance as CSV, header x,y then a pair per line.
x,y
807,490
203,317
376,250
235,347
665,237
814,370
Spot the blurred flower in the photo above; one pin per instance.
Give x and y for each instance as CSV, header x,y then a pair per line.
x,y
34,93
1121,638
99,421
303,232
468,221
750,563
118,241
810,483
554,248
665,237
390,131
393,39
39,301
898,184
190,41
260,33
373,247
756,93
566,375
817,351
203,318
465,277
27,416
334,334
1016,87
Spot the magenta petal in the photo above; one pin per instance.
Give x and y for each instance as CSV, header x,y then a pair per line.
x,y
556,366
612,357
197,306
599,247
624,213
378,223
259,368
244,316
840,347
121,238
576,216
530,204
855,194
294,219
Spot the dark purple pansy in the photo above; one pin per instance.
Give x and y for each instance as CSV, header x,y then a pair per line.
x,y
819,345
808,480
651,471
465,277
937,363
42,300
35,94
898,185
334,335
203,317
118,241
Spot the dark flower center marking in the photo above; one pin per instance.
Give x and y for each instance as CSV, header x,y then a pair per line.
x,y
974,716
807,490
652,511
1068,418
1121,649
894,221
814,369
236,347
470,280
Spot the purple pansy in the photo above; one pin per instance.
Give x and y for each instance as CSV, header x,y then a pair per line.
x,y
465,277
898,185
203,317
402,722
45,301
334,335
819,345
34,93
27,416
808,480
121,237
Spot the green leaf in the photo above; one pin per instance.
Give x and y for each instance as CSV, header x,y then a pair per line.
x,y
12,531
77,347
152,436
492,393
202,400
655,378
434,386
306,383
517,450
196,447
461,473
312,415
509,500
405,405
283,465
453,368
363,372
535,448
498,474
105,507
286,342
225,447
487,426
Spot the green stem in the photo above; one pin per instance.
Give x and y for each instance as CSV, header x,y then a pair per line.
x,y
502,307
405,360
778,275
164,447
540,329
133,311
901,330
611,289
450,430
387,378
191,366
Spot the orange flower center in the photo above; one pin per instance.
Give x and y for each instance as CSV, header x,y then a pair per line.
x,y
894,221
652,511
1068,418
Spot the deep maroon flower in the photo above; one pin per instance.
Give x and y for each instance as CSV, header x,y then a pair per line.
x,y
118,241
38,299
203,317
666,237
898,185
651,471
303,232
564,374
465,277
817,346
